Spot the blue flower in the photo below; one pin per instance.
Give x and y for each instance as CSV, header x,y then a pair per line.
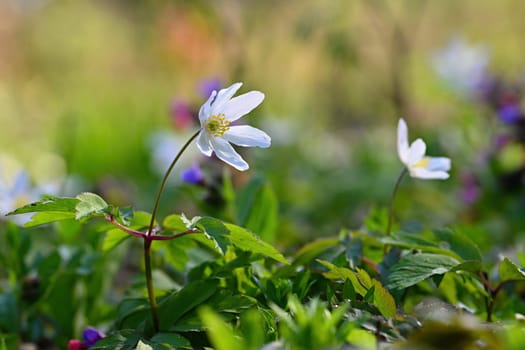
x,y
193,175
91,336
509,113
207,86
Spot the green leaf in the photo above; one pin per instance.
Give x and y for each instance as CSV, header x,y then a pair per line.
x,y
364,339
113,238
123,340
89,204
383,300
221,335
8,312
140,219
49,204
348,290
408,240
131,312
174,223
224,235
215,230
414,268
225,301
508,271
175,251
460,244
257,208
364,278
176,305
172,339
469,266
342,273
371,289
45,217
247,241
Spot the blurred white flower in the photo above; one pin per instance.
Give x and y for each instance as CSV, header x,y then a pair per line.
x,y
413,157
17,188
163,146
16,195
462,66
216,116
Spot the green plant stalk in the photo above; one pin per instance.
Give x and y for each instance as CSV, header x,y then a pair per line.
x,y
148,238
149,283
164,179
490,300
391,206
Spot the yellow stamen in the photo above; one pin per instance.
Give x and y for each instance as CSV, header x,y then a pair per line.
x,y
21,200
217,125
423,163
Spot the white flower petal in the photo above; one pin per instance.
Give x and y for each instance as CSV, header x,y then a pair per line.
x,y
21,184
424,173
438,164
242,105
223,97
203,143
402,140
205,110
225,152
247,136
416,152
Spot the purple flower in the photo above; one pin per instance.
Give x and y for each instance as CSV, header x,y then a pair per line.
x,y
192,175
92,335
207,86
181,114
509,113
470,188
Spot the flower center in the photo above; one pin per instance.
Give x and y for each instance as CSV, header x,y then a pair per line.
x,y
217,125
423,163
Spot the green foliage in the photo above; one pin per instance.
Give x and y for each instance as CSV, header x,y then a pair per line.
x,y
361,283
257,209
222,336
508,271
228,234
179,303
414,268
312,326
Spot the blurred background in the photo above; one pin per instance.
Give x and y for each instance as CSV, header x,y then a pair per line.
x,y
99,95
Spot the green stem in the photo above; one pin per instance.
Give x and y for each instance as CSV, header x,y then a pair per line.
x,y
149,283
391,206
163,182
148,238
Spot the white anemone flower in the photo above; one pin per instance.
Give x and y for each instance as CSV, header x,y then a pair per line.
x,y
216,116
413,157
